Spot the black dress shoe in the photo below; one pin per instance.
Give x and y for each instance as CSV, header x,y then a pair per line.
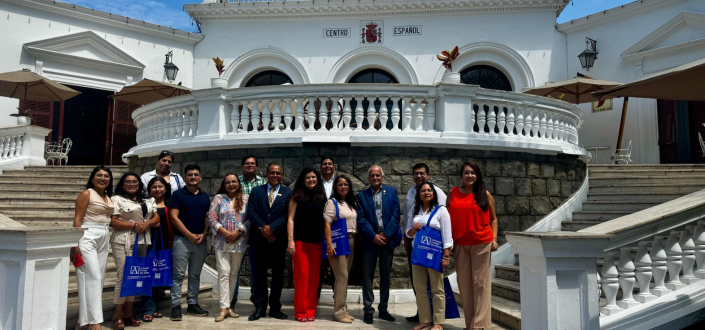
x,y
278,315
258,314
384,315
414,318
368,318
176,313
195,309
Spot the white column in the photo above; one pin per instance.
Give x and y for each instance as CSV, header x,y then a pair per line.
x,y
501,119
510,120
245,116
287,115
699,238
335,113
481,118
626,278
277,115
520,121
371,113
255,116
266,116
543,123
431,115
491,118
610,285
418,115
311,114
383,114
688,256
299,123
643,273
535,125
347,116
395,113
406,115
235,116
323,113
674,262
359,113
527,124
549,128
180,122
658,266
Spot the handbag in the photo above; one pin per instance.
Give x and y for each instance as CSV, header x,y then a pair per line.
x,y
161,264
452,311
137,274
338,235
428,246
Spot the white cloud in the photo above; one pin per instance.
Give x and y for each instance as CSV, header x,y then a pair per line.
x,y
147,10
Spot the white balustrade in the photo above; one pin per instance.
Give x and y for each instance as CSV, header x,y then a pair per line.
x,y
658,266
610,285
699,240
688,256
371,114
642,263
626,278
674,262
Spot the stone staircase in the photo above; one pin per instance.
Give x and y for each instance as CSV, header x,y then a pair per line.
x,y
614,191
46,196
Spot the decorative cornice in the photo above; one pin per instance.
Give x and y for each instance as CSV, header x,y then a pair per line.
x,y
101,17
614,14
640,49
273,10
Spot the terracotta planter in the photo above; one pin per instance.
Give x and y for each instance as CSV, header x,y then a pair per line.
x,y
219,82
451,77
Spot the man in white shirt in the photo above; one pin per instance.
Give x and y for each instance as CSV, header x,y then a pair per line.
x,y
328,174
420,175
163,169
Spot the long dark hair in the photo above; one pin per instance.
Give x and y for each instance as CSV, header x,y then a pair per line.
x,y
350,197
479,190
302,194
237,201
167,188
109,188
120,188
417,199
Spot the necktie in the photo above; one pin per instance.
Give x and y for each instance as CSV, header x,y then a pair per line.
x,y
271,196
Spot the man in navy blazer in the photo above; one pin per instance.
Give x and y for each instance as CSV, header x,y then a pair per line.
x,y
267,211
378,221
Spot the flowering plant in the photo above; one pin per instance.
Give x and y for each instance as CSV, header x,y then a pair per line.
x,y
447,57
219,65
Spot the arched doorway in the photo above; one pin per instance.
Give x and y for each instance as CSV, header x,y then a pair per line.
x,y
268,78
373,76
486,77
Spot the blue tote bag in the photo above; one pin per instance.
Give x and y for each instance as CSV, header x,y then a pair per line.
x,y
137,274
451,305
338,235
161,264
428,246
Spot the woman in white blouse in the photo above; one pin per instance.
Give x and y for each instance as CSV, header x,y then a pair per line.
x,y
133,215
425,202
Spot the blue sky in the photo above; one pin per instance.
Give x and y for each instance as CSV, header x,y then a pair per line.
x,y
170,12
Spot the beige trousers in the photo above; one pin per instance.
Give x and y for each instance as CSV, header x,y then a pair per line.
x,y
228,265
120,252
472,264
341,267
422,276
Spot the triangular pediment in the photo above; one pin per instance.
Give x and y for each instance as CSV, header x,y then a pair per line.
x,y
685,30
84,49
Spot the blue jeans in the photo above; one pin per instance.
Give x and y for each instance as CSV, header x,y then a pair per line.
x,y
186,254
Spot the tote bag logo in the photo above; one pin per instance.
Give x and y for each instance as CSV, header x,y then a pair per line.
x,y
134,270
425,240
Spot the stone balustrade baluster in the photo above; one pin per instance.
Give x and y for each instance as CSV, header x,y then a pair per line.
x,y
626,269
383,113
501,120
561,130
430,121
549,128
643,273
171,125
359,113
194,119
535,125
3,147
406,118
335,113
347,112
543,126
371,113
245,116
658,266
491,118
511,120
674,262
20,141
418,115
699,241
266,116
287,114
311,113
299,122
277,115
254,119
175,123
610,285
688,256
324,113
13,146
396,115
527,124
164,131
520,121
481,118
156,128
180,122
235,116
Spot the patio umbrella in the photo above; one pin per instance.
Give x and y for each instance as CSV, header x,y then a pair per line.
x,y
576,90
148,91
29,86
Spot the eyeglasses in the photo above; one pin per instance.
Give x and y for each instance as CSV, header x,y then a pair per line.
x,y
131,182
420,173
167,153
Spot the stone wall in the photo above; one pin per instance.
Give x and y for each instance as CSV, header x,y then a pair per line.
x,y
525,186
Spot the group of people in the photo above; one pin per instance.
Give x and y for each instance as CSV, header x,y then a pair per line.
x,y
260,216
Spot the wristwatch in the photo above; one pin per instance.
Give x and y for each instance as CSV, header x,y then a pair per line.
x,y
240,231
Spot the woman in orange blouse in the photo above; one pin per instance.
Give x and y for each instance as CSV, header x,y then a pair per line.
x,y
474,226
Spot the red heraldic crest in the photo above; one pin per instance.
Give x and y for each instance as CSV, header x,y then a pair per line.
x,y
371,33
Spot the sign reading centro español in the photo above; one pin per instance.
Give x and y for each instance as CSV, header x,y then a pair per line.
x,y
408,30
337,33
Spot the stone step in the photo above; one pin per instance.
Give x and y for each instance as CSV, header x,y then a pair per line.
x,y
29,220
53,174
43,213
110,278
617,188
55,179
40,195
88,168
577,225
46,186
645,167
603,174
507,272
631,207
647,180
37,204
598,215
506,312
635,196
506,289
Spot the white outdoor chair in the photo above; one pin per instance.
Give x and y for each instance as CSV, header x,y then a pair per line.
x,y
58,152
702,143
623,155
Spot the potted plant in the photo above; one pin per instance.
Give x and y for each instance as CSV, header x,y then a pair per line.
x,y
23,119
219,82
447,58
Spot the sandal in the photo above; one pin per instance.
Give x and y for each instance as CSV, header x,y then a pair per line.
x,y
131,321
158,315
118,324
301,319
310,318
422,326
147,318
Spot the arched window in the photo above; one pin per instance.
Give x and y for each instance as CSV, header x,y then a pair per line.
x,y
485,76
268,78
373,76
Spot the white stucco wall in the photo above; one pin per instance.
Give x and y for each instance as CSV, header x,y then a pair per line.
x,y
21,24
614,35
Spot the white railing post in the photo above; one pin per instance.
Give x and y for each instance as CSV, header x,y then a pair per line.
x,y
643,273
430,115
520,121
180,122
235,116
371,113
287,114
396,116
406,115
383,114
610,285
481,118
347,116
266,115
535,125
245,116
549,128
491,118
699,237
511,117
299,123
543,126
359,113
277,115
674,262
323,117
418,115
626,278
501,119
311,114
658,266
335,113
688,256
255,116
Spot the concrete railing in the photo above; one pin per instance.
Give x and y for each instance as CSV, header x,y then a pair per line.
x,y
660,248
21,146
449,115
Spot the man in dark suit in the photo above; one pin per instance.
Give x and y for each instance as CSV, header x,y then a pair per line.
x,y
378,221
267,211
